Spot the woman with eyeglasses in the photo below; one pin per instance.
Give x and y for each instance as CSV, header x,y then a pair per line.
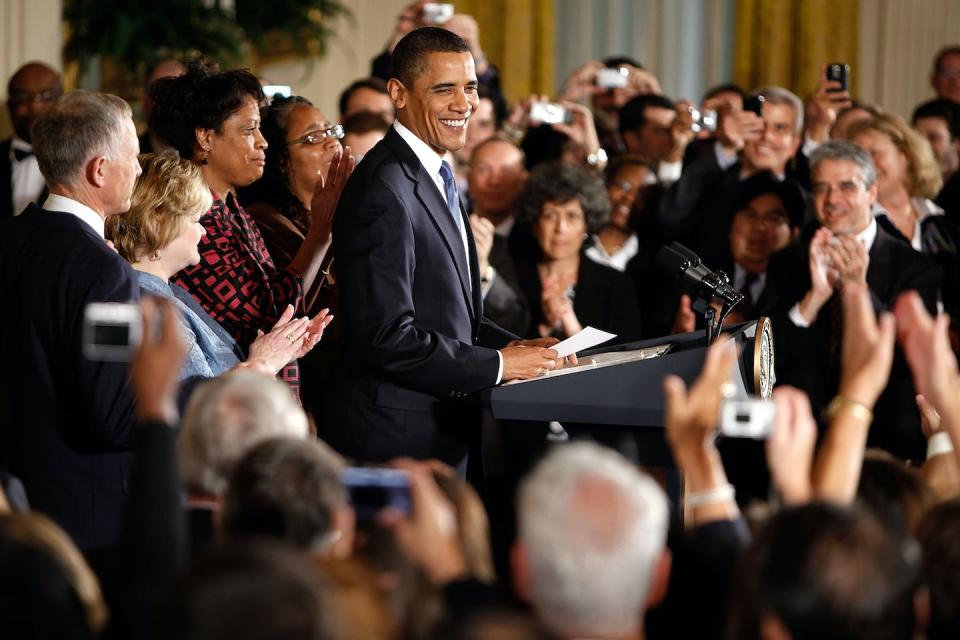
x,y
301,143
213,119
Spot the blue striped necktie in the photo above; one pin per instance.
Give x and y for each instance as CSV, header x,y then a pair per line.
x,y
453,198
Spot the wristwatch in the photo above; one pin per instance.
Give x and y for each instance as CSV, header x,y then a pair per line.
x,y
598,159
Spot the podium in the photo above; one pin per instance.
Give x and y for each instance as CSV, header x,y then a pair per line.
x,y
622,386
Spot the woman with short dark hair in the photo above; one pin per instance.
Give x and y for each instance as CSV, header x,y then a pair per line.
x,y
563,203
213,119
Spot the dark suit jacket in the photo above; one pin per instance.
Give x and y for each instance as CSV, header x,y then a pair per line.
x,y
411,314
505,303
803,356
6,175
66,425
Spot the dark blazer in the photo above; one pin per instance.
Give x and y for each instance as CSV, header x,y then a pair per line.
x,y
604,298
6,177
505,303
411,314
66,423
806,359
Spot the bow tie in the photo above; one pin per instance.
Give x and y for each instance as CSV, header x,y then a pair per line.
x,y
20,154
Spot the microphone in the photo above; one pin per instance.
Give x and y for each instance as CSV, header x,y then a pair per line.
x,y
677,259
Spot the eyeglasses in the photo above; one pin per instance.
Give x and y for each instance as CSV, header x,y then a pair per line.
x,y
317,137
20,97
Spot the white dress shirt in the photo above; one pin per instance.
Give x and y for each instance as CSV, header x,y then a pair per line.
x,y
26,181
618,259
867,237
432,161
82,211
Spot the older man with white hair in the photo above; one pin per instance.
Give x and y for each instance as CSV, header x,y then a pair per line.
x,y
591,552
66,422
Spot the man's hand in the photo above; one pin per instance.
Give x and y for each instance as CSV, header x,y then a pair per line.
x,y
685,319
823,106
583,131
823,275
790,446
641,82
428,536
155,367
850,259
521,362
926,345
483,231
867,353
582,83
681,131
736,127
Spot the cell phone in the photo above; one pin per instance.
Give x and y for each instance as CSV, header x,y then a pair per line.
x,y
550,113
612,78
372,489
111,330
755,104
747,418
437,12
274,90
839,72
705,120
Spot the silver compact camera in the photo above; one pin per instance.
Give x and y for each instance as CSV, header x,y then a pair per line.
x,y
437,12
550,113
747,418
111,330
612,78
705,120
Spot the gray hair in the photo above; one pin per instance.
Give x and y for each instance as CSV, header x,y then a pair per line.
x,y
779,95
225,418
77,127
845,150
594,528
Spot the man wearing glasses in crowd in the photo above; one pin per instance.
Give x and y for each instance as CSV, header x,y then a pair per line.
x,y
30,91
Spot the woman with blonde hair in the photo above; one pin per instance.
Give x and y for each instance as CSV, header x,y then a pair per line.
x,y
159,236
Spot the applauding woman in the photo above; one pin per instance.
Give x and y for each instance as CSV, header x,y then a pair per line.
x,y
563,203
159,237
213,119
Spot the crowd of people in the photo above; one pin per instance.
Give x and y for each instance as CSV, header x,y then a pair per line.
x,y
322,301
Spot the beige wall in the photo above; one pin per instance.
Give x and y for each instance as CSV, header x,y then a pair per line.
x,y
29,30
348,57
898,40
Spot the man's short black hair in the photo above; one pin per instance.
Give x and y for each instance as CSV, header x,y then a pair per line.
x,y
410,54
615,62
947,110
943,53
363,122
727,87
790,193
374,84
633,113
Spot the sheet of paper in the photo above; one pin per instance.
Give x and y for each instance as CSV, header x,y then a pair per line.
x,y
586,338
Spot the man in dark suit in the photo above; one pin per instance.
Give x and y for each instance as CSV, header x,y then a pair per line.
x,y
66,422
411,310
30,91
849,246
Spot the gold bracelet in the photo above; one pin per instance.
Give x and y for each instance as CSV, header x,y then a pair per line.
x,y
856,409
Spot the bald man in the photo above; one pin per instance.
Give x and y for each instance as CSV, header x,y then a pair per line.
x,y
30,91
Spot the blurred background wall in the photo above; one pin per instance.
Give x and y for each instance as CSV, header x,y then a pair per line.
x,y
689,44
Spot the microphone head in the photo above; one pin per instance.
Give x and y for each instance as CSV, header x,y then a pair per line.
x,y
671,261
685,252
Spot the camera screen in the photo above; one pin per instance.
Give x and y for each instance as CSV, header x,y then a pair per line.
x,y
111,334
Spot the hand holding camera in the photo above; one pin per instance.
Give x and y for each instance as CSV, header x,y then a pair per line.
x,y
831,96
736,127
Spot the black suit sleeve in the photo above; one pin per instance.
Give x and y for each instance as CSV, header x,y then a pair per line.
x,y
679,203
376,260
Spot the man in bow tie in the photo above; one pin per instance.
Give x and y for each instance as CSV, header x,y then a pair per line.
x,y
30,91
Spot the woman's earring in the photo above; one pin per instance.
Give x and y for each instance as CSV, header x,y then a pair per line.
x,y
155,256
203,158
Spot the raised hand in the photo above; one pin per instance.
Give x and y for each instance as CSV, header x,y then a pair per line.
x,y
926,345
582,83
850,259
736,127
155,367
483,231
867,353
326,193
271,351
790,446
823,106
315,328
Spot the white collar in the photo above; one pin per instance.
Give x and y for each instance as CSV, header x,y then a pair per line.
x,y
429,158
64,204
868,235
925,208
19,143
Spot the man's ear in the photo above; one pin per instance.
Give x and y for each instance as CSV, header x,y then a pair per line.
x,y
520,567
872,193
398,93
96,171
660,580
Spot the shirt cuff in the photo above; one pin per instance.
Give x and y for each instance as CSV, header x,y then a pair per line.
x,y
486,285
724,158
499,368
797,318
669,172
809,145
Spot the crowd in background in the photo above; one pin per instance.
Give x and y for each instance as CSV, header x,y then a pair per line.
x,y
196,491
